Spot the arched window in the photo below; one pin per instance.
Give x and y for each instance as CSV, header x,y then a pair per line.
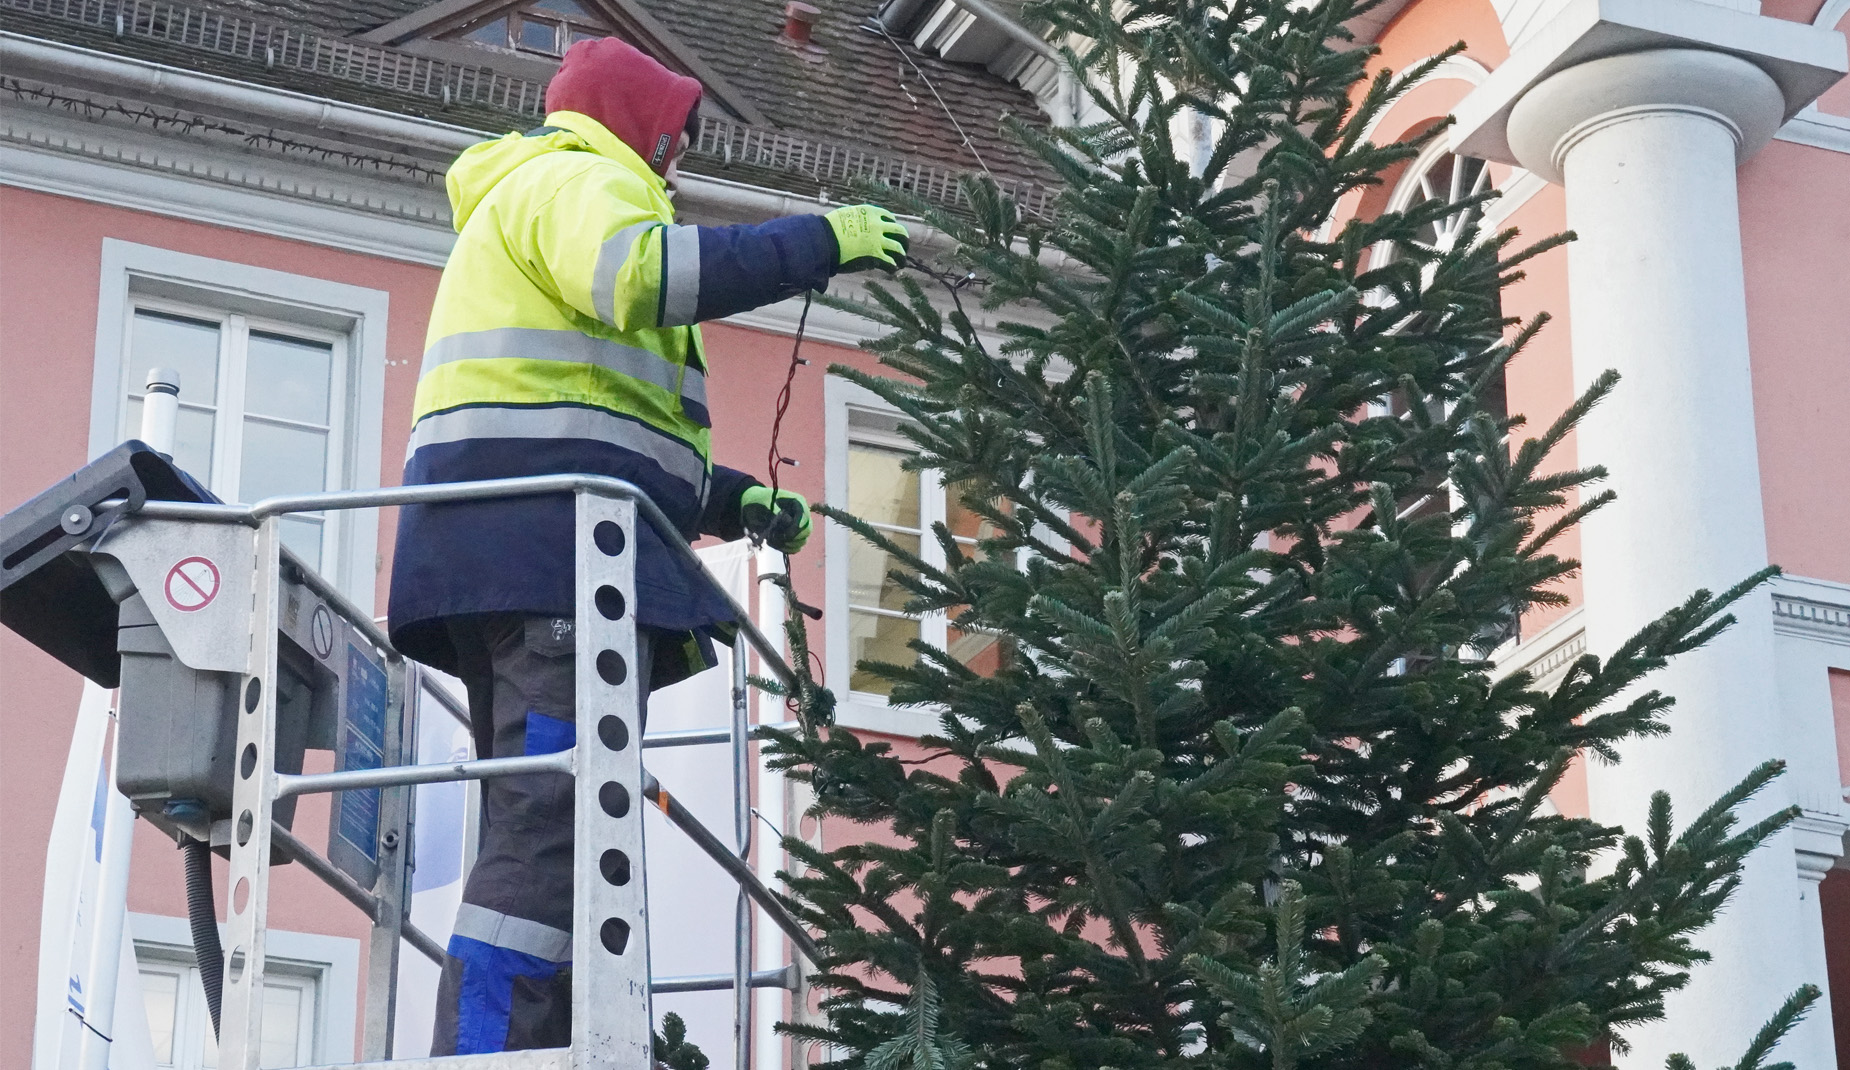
x,y
1448,179
1445,178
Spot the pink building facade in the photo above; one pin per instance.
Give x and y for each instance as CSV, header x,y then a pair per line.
x,y
158,198
1698,152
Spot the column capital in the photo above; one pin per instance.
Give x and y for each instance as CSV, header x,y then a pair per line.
x,y
1554,115
1799,61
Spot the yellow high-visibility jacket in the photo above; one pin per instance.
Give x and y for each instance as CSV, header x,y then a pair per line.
x,y
563,340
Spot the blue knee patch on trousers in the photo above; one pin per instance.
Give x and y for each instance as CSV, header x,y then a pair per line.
x,y
548,735
487,992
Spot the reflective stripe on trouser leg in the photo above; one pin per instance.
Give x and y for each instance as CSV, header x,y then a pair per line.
x,y
494,999
506,981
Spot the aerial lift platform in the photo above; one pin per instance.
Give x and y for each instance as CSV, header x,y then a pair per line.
x,y
233,657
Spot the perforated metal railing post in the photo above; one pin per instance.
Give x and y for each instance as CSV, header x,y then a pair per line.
x,y
742,838
253,798
611,1019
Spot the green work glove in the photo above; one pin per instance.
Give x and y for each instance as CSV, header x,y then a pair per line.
x,y
868,236
785,527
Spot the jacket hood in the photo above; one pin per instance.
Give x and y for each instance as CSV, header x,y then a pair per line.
x,y
483,165
642,102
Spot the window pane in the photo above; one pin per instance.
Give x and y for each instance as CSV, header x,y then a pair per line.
x,y
968,525
868,565
208,1052
281,460
282,1028
878,638
586,35
490,33
302,534
160,992
288,378
282,1024
539,36
190,347
566,7
981,652
192,438
879,490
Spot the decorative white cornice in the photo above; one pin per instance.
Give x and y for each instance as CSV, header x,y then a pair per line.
x,y
196,147
1801,60
214,184
1820,130
1549,652
1802,608
1818,842
1812,609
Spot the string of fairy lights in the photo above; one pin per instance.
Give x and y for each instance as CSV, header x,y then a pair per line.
x,y
143,115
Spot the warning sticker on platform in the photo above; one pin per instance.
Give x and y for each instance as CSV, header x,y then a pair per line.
x,y
362,747
321,632
192,584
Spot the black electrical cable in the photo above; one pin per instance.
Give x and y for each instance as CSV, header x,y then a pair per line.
x,y
202,916
776,460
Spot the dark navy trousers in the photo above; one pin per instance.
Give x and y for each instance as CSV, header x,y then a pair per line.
x,y
506,983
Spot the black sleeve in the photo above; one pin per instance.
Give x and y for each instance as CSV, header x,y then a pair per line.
x,y
743,267
721,516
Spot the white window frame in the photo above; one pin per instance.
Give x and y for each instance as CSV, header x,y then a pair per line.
x,y
332,963
844,402
235,329
352,317
870,712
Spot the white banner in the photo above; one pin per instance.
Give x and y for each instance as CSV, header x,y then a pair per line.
x,y
89,992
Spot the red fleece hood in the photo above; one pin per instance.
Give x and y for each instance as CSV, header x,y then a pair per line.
x,y
642,102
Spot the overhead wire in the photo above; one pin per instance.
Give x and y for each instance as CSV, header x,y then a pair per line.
x,y
923,77
775,458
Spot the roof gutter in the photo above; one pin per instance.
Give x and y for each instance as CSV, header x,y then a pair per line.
x,y
988,12
33,57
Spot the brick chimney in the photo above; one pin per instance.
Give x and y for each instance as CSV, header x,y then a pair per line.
x,y
799,21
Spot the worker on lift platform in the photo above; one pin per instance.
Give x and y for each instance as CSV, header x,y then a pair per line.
x,y
563,340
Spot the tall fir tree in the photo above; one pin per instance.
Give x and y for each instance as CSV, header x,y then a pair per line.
x,y
1246,790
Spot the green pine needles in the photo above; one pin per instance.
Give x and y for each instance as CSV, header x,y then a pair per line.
x,y
1246,790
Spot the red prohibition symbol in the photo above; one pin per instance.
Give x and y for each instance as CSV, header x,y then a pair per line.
x,y
192,584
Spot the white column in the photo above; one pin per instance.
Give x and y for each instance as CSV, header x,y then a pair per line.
x,y
1646,145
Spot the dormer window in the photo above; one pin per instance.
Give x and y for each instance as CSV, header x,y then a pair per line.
x,y
525,39
546,28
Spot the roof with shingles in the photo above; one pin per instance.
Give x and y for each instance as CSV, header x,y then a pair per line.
x,y
256,72
857,87
341,17
863,86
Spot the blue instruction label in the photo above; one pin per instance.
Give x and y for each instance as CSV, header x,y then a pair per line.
x,y
362,747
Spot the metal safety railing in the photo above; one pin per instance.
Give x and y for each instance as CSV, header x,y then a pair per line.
x,y
610,919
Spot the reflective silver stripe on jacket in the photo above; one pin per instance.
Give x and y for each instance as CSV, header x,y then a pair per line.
x,y
694,387
538,343
611,257
677,458
496,929
680,275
